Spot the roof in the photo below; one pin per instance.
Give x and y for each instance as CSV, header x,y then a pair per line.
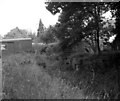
x,y
17,39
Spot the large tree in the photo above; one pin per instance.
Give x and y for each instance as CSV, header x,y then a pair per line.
x,y
116,42
78,21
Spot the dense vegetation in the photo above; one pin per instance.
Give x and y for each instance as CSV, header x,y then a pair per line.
x,y
59,69
23,79
19,33
49,76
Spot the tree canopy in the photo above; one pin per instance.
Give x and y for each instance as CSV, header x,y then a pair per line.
x,y
48,36
19,33
81,20
41,29
16,33
116,42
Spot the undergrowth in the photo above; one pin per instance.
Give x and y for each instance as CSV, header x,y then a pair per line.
x,y
44,76
97,75
23,79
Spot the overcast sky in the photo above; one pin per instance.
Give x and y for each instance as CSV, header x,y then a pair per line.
x,y
24,14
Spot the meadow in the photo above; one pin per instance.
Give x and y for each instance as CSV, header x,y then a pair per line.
x,y
48,76
23,79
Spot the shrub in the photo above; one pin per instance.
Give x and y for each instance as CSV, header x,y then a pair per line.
x,y
93,69
22,78
105,66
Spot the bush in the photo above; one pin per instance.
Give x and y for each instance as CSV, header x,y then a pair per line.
x,y
23,79
92,69
105,68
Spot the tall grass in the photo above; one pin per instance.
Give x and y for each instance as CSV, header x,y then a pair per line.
x,y
97,74
23,79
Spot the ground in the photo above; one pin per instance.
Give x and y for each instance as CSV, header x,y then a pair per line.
x,y
24,77
0,78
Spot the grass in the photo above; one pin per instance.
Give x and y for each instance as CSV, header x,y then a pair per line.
x,y
96,76
41,76
23,79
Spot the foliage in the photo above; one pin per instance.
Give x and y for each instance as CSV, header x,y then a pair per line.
x,y
23,79
106,64
40,29
116,42
78,21
48,36
31,35
53,48
16,33
90,71
19,33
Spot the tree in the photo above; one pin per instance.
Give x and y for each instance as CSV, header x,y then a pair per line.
x,y
116,42
32,35
19,33
40,28
48,36
16,33
84,21
78,21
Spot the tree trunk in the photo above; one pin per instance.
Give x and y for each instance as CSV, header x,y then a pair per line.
x,y
118,72
98,29
97,40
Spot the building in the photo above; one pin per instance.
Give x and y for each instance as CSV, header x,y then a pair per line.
x,y
12,46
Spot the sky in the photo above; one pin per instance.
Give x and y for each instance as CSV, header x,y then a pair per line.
x,y
24,14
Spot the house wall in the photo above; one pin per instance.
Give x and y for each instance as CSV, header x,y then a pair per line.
x,y
9,48
15,46
24,45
